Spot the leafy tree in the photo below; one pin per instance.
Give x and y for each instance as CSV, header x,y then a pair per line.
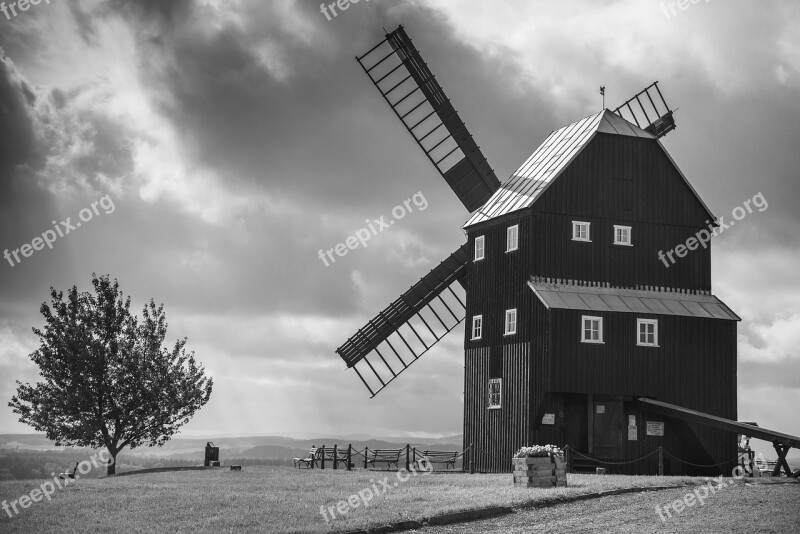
x,y
107,380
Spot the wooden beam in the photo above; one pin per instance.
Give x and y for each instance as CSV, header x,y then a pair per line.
x,y
782,450
719,422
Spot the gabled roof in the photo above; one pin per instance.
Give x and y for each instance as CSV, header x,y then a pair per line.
x,y
549,160
565,296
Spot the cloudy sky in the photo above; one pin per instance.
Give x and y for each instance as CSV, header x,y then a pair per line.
x,y
237,138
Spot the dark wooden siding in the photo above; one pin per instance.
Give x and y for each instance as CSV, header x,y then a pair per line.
x,y
694,367
496,434
626,181
497,283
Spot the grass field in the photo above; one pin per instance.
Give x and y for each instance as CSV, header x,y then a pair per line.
x,y
276,499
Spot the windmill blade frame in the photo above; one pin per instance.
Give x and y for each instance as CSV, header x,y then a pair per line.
x,y
404,80
416,321
662,124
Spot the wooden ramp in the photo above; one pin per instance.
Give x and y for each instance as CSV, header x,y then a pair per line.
x,y
782,442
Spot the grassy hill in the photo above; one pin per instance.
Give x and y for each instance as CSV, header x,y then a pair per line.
x,y
276,499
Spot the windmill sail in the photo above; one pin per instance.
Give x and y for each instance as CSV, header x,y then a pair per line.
x,y
659,121
408,328
395,67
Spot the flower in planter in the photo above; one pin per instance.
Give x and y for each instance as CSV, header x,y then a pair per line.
x,y
539,451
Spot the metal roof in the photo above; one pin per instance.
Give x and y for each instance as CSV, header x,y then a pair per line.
x,y
614,299
528,182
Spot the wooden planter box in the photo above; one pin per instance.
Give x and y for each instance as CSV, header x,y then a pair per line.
x,y
542,472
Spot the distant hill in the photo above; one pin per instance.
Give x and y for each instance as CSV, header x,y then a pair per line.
x,y
254,447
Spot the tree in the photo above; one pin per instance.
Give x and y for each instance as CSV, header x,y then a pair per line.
x,y
107,380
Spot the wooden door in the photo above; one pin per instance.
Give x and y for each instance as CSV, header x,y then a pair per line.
x,y
608,432
575,422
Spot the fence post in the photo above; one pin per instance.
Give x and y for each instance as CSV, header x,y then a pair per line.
x,y
660,461
313,455
471,460
335,454
413,456
408,448
322,462
569,459
366,451
349,456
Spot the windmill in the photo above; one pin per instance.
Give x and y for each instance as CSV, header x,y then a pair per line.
x,y
419,318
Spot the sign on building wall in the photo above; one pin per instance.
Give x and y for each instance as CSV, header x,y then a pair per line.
x,y
601,408
549,419
633,433
655,428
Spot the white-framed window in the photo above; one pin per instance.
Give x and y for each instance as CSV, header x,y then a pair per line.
x,y
580,231
477,326
512,238
511,321
479,248
647,332
495,392
591,329
622,235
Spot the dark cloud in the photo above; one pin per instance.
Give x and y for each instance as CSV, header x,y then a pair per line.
x,y
16,129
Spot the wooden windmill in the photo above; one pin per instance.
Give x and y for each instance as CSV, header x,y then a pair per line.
x,y
411,325
576,332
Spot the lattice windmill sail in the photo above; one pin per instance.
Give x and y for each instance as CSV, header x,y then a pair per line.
x,y
411,90
411,325
659,121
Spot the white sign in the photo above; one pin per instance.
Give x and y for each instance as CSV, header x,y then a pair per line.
x,y
655,428
549,419
633,433
631,420
601,408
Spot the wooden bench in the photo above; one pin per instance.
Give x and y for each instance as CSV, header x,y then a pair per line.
x,y
307,461
439,457
387,456
315,457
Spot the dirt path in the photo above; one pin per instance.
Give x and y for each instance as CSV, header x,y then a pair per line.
x,y
743,507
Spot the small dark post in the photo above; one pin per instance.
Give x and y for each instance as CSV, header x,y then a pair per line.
x,y
472,461
568,458
660,461
413,456
335,454
349,456
322,458
366,451
408,449
313,455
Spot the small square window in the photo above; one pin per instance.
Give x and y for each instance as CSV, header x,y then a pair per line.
x,y
591,329
511,321
479,248
495,392
580,231
647,332
622,235
512,238
477,326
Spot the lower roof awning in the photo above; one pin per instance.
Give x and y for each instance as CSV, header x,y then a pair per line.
x,y
556,293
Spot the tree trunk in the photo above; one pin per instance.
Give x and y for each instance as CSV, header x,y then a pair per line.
x,y
111,466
